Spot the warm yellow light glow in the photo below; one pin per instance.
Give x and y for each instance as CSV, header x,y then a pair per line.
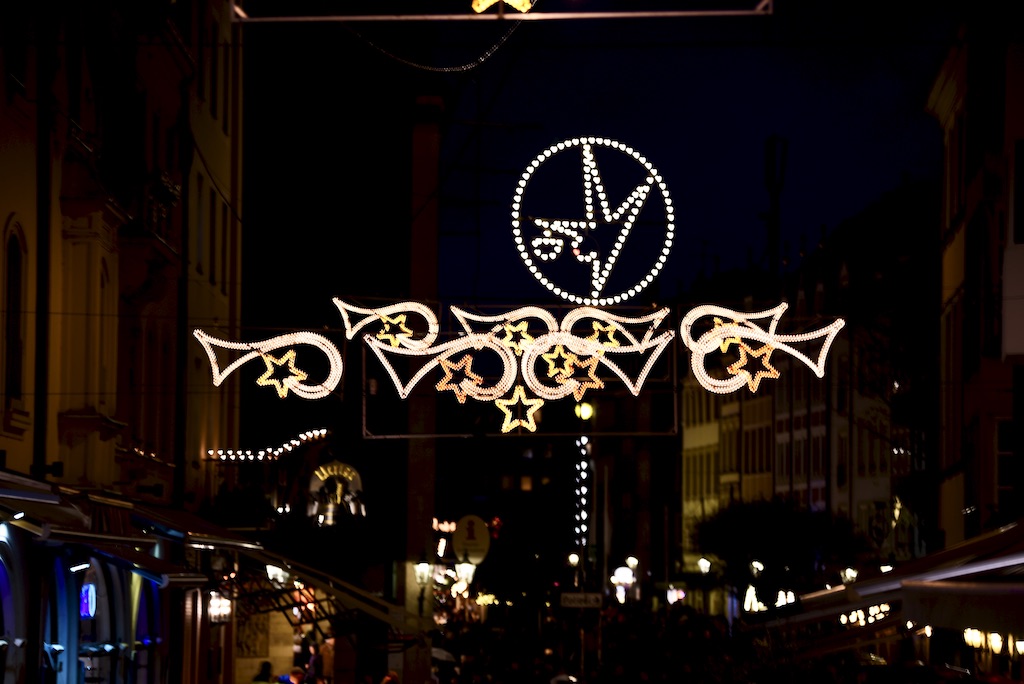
x,y
463,364
584,410
268,378
531,406
518,5
995,642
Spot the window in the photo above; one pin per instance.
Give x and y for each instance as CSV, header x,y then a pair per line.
x,y
214,68
200,243
213,235
224,247
1008,470
14,308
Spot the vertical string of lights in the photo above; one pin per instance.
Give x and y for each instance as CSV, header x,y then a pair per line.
x,y
583,489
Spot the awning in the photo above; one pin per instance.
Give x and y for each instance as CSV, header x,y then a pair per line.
x,y
257,592
989,606
191,529
157,570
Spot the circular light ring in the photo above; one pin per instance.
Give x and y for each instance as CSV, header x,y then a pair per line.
x,y
528,249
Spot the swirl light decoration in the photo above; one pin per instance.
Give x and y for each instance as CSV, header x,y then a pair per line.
x,y
540,358
743,327
295,382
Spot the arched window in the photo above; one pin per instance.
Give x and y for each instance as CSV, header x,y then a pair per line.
x,y
13,315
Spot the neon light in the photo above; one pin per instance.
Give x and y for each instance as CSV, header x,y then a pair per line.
x,y
464,365
519,397
520,5
555,233
754,379
273,363
743,327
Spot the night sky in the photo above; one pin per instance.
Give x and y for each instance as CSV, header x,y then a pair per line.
x,y
328,110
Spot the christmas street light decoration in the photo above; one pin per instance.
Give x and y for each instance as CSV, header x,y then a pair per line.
x,y
576,354
296,382
569,353
598,217
743,327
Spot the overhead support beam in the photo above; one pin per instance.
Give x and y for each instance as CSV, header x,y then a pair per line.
x,y
763,8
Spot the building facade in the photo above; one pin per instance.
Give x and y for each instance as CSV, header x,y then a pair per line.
x,y
120,144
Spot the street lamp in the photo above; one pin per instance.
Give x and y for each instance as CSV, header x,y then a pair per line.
x,y
622,579
464,571
574,562
631,563
422,571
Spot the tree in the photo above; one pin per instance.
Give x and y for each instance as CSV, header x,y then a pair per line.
x,y
800,550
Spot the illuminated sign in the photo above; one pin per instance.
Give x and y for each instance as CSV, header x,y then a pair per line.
x,y
87,601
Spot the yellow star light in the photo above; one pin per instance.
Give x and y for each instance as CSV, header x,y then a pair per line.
x,y
393,337
589,381
609,329
446,383
268,379
517,342
519,397
724,346
766,371
552,358
520,5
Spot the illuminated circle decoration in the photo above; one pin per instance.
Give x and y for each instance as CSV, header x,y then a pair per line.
x,y
558,236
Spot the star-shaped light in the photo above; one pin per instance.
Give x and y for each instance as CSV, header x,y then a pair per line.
x,y
609,331
273,363
724,345
766,371
520,5
386,332
519,397
589,380
552,358
463,365
516,338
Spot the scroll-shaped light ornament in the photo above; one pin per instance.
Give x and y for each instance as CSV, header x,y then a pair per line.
x,y
735,327
296,382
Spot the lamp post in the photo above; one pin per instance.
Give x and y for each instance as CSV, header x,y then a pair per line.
x,y
705,567
422,571
464,571
631,563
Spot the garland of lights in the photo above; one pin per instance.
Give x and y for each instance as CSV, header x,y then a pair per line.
x,y
530,337
568,361
555,233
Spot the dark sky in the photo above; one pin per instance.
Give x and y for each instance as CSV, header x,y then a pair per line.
x,y
845,84
328,108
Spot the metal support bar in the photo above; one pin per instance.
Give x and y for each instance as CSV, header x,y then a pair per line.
x,y
763,8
